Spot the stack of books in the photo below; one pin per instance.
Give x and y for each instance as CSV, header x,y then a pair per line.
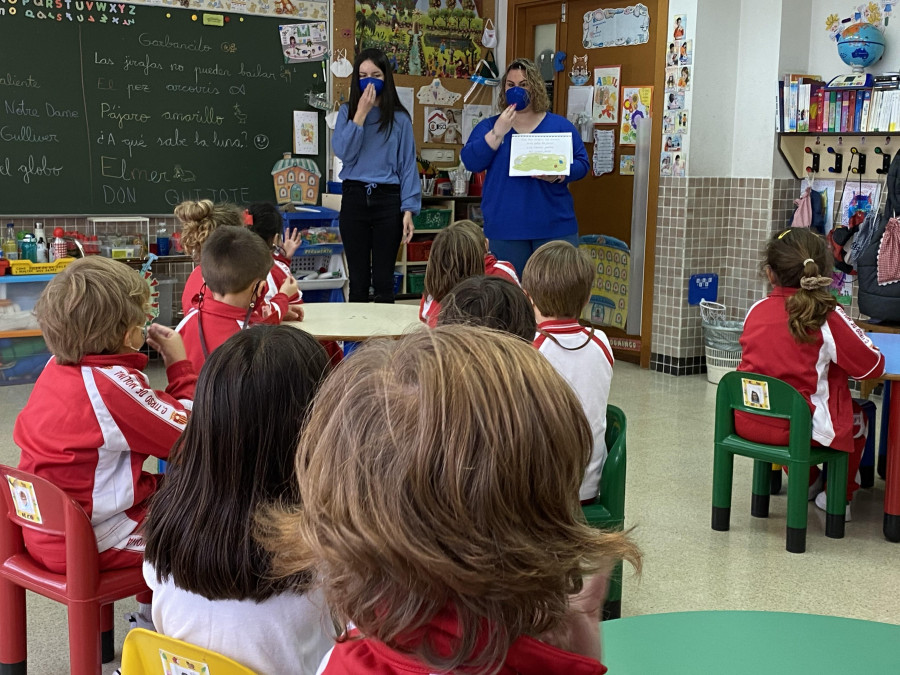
x,y
807,105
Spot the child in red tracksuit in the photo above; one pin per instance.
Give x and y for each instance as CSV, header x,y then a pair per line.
x,y
264,219
92,418
798,334
492,266
235,263
440,513
198,220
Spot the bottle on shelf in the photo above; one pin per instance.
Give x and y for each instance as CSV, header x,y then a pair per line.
x,y
58,249
162,239
41,242
10,247
20,237
29,248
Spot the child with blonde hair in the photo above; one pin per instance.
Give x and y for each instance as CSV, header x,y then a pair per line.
x,y
198,220
235,263
92,417
409,520
800,335
456,254
558,278
492,266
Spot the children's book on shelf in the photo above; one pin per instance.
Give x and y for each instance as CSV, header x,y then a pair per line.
x,y
809,106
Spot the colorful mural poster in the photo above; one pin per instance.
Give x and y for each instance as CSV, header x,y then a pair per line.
x,y
304,42
636,106
432,38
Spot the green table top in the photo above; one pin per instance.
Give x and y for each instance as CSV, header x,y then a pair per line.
x,y
761,643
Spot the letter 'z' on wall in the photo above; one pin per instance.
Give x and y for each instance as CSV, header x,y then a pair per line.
x,y
114,108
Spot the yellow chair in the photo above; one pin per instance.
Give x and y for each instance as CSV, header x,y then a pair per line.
x,y
148,653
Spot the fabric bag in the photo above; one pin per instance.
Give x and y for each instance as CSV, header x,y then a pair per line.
x,y
881,300
489,37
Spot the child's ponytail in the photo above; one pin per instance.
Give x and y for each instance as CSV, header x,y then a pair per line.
x,y
798,258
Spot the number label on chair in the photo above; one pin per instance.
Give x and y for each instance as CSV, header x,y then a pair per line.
x,y
756,394
25,500
178,665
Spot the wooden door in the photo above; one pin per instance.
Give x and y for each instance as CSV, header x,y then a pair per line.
x,y
603,204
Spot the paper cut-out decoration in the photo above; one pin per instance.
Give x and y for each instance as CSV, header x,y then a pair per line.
x,y
626,165
296,180
622,26
25,500
436,94
579,75
604,151
306,132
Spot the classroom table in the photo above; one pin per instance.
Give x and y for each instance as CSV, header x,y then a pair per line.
x,y
357,321
889,344
750,643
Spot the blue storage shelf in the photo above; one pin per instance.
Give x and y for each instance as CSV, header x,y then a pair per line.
x,y
25,278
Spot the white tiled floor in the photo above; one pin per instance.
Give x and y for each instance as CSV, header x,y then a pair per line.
x,y
687,566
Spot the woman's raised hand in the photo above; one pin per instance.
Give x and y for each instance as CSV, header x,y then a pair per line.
x,y
505,122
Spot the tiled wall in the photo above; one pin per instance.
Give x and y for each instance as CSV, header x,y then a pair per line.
x,y
715,225
177,270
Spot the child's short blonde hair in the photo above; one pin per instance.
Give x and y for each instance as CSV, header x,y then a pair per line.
x,y
199,219
456,254
88,307
471,226
558,279
441,471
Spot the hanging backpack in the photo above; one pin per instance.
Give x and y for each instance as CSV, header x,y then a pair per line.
x,y
881,300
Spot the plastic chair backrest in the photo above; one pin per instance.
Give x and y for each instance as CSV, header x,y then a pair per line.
x,y
612,480
145,650
784,402
60,515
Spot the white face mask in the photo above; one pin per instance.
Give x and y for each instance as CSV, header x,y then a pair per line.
x,y
489,37
331,119
341,67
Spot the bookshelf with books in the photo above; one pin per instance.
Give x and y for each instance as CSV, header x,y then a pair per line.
x,y
815,121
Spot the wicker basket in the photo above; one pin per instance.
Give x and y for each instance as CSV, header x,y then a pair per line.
x,y
719,362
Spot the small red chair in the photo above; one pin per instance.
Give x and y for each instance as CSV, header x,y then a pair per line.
x,y
87,593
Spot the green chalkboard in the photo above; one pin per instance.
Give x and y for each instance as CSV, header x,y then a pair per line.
x,y
128,109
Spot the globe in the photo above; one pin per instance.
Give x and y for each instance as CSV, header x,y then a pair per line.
x,y
860,45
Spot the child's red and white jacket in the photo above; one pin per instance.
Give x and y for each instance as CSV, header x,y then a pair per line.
x,y
87,428
526,656
500,268
818,370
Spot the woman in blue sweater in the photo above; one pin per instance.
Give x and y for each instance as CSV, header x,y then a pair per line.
x,y
521,213
381,190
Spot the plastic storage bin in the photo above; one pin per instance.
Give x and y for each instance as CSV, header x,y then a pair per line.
x,y
418,251
719,362
415,282
432,219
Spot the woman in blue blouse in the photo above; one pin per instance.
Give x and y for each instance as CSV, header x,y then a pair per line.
x,y
373,137
523,212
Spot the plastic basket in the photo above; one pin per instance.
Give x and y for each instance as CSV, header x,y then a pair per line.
x,y
415,282
314,263
418,251
711,312
21,267
719,362
432,219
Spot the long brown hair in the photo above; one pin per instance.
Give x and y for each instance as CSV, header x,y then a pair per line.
x,y
235,458
799,258
440,472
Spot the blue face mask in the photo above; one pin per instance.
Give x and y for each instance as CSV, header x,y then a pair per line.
x,y
374,81
518,97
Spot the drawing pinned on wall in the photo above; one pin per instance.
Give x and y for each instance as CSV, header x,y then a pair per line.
x,y
679,32
674,100
672,54
618,27
672,78
626,165
684,78
686,53
679,164
443,125
607,81
306,132
435,93
670,122
407,96
681,121
665,164
636,107
301,42
672,142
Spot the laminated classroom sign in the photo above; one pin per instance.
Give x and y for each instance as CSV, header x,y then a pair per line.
x,y
636,106
540,154
608,304
25,500
617,27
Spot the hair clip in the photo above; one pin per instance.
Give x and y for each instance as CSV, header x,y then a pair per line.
x,y
248,219
781,236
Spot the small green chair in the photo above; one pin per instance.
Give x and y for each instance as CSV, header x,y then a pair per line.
x,y
785,402
608,513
